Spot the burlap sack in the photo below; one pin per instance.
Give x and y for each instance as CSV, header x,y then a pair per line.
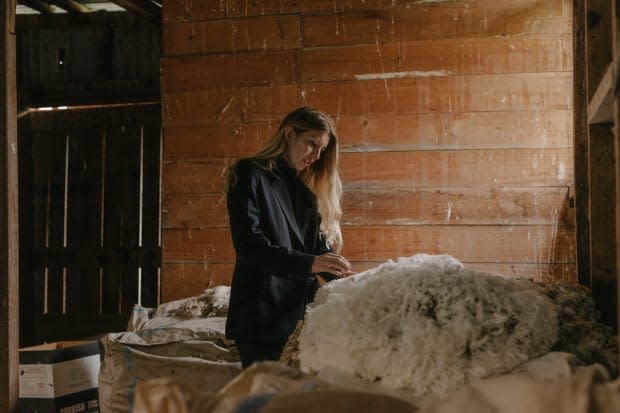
x,y
125,364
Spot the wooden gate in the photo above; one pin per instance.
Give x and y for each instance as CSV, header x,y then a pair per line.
x,y
89,184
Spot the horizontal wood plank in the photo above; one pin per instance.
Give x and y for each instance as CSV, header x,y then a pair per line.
x,y
492,244
257,103
229,70
514,206
384,24
216,139
503,92
188,10
232,35
497,206
444,57
405,170
452,169
497,19
181,280
195,211
193,177
453,94
385,132
470,130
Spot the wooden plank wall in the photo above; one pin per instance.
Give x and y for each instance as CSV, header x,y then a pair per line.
x,y
77,58
455,122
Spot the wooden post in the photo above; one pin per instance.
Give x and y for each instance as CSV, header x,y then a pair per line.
x,y
9,242
582,187
616,114
601,157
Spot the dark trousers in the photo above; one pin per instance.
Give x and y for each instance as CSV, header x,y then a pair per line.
x,y
251,352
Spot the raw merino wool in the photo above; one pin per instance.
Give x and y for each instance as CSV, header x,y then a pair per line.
x,y
426,324
581,331
212,303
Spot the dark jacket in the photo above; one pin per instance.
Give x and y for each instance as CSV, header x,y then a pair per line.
x,y
271,283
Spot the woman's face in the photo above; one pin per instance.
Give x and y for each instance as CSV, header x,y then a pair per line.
x,y
304,148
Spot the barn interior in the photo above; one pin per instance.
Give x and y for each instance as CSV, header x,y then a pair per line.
x,y
485,130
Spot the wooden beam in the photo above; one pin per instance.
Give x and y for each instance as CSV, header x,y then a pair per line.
x,y
616,130
600,108
145,8
38,5
9,242
72,6
582,189
602,162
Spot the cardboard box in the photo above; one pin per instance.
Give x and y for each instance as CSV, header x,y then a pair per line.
x,y
59,377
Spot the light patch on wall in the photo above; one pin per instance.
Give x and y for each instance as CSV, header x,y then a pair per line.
x,y
561,171
398,75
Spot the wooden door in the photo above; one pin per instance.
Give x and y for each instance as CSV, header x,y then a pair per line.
x,y
89,219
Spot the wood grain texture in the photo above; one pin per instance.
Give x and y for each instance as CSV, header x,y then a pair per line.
x,y
514,206
442,131
195,211
496,206
421,95
193,177
385,24
190,10
580,148
232,35
450,169
9,215
229,70
183,280
385,132
402,170
504,92
255,103
445,57
499,244
454,118
216,139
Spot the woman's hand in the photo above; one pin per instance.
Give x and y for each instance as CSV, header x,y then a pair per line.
x,y
332,263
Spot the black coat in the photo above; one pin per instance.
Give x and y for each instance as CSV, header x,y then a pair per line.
x,y
272,282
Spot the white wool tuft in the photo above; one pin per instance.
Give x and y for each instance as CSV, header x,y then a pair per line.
x,y
426,324
219,297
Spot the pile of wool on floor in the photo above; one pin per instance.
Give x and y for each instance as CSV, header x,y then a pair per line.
x,y
426,324
580,331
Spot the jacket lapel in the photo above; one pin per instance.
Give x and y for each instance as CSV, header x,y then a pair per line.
x,y
283,198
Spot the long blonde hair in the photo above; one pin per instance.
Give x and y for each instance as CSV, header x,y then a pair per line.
x,y
321,177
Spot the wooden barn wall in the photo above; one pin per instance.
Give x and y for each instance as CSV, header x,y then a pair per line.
x,y
455,122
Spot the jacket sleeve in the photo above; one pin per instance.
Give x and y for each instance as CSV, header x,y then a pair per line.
x,y
252,246
322,248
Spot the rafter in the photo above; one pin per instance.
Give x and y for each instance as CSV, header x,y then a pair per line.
x,y
38,5
72,6
145,8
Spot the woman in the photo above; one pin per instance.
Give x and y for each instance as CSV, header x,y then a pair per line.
x,y
284,208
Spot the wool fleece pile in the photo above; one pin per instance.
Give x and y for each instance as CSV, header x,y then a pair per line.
x,y
426,324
